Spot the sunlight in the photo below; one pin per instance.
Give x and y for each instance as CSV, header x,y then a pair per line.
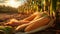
x,y
13,3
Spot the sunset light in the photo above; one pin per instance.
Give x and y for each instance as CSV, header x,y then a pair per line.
x,y
13,3
16,4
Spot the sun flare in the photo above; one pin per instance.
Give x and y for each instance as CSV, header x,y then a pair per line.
x,y
13,3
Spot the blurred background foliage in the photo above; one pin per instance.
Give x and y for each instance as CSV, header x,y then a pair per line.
x,y
7,9
31,6
38,5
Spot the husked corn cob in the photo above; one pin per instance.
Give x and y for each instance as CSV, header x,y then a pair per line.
x,y
36,24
